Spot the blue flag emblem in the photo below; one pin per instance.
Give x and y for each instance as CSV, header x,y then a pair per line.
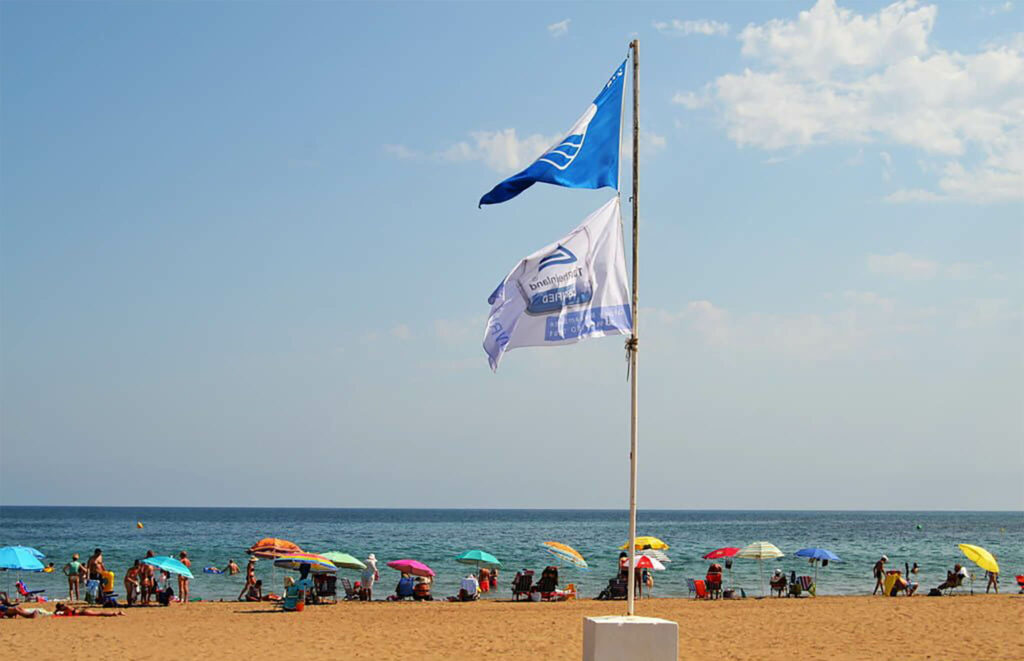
x,y
588,156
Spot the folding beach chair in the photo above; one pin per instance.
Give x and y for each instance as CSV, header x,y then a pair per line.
x,y
26,594
616,590
691,587
522,583
547,584
350,592
327,588
807,583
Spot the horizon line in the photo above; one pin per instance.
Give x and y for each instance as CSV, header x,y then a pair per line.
x,y
528,509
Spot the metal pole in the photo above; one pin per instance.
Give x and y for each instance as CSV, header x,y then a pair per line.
x,y
633,344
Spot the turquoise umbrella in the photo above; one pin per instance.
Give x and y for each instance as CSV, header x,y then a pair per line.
x,y
169,564
478,558
20,558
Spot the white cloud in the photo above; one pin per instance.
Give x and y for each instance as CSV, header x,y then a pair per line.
x,y
832,75
692,101
904,195
902,265
402,152
684,28
559,29
886,165
1000,9
502,151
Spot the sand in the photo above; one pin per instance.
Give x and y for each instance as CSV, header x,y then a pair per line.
x,y
959,627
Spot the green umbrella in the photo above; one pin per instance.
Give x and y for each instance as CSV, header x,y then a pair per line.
x,y
478,558
343,560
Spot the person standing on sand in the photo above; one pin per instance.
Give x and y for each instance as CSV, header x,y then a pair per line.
x,y
95,567
73,571
370,574
879,571
250,578
133,582
183,580
147,583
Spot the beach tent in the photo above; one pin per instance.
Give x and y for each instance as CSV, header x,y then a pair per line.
x,y
760,551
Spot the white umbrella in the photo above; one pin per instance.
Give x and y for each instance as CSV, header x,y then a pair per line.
x,y
760,551
648,562
656,554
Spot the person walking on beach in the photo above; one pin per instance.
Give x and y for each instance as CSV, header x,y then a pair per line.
x,y
250,578
370,574
879,571
183,580
73,571
993,581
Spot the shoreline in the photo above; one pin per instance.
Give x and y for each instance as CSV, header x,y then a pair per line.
x,y
846,627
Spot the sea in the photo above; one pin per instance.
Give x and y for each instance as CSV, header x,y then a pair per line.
x,y
213,536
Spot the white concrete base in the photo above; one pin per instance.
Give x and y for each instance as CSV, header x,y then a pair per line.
x,y
619,637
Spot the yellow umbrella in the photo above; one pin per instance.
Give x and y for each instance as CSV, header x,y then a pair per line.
x,y
980,557
566,553
642,542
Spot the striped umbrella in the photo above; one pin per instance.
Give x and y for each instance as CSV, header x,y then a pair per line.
x,y
660,556
565,553
317,563
760,551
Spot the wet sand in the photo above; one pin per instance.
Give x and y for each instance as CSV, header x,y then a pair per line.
x,y
959,627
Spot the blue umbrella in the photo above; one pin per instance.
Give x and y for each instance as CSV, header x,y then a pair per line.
x,y
478,558
817,555
20,558
169,564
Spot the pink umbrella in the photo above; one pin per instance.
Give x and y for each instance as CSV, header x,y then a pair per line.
x,y
414,567
727,552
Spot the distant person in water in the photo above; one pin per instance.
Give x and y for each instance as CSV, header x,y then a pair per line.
x,y
232,568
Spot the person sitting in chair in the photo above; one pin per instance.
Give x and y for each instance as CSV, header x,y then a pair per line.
x,y
405,588
955,578
469,590
777,582
421,590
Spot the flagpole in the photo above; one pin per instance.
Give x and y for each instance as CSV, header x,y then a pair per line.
x,y
633,345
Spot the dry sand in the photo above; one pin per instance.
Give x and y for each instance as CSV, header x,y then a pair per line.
x,y
960,627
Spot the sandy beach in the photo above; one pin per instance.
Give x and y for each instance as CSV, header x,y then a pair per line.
x,y
963,627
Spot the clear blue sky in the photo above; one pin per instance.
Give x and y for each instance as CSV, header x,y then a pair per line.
x,y
242,264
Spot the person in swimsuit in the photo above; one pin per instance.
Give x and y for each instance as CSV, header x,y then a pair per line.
x,y
73,571
147,582
133,582
183,580
250,578
879,572
232,568
255,593
95,567
64,610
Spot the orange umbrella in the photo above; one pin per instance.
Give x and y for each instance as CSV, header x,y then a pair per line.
x,y
272,547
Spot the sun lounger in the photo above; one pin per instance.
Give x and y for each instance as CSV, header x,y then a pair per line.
x,y
522,583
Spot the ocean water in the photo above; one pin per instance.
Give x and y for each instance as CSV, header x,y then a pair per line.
x,y
212,536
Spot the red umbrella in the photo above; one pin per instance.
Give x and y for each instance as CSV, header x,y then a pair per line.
x,y
725,552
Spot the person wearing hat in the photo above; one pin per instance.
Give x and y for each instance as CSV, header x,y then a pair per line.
x,y
879,572
370,574
250,578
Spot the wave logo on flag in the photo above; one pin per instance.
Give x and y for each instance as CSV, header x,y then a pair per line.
x,y
566,292
587,157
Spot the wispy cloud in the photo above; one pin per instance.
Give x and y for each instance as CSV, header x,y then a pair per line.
x,y
684,28
559,29
910,267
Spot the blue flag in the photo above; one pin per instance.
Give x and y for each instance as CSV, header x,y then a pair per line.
x,y
588,157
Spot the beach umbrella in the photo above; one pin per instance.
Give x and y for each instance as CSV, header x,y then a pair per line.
x,y
647,562
478,558
980,557
816,555
641,542
760,551
344,560
273,547
317,563
724,552
21,558
660,556
565,553
169,564
414,567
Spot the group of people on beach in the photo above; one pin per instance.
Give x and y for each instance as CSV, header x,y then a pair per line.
x,y
142,583
906,584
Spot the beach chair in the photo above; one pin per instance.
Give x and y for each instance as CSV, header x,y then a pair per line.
x,y
547,584
521,584
691,587
350,592
291,599
807,583
26,594
327,588
1020,583
714,585
616,589
778,584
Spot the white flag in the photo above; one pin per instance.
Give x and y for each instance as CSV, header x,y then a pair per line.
x,y
565,292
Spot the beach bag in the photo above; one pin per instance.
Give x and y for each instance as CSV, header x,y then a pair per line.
x,y
92,591
935,592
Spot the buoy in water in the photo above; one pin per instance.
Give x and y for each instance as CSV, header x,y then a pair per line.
x,y
138,524
919,526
